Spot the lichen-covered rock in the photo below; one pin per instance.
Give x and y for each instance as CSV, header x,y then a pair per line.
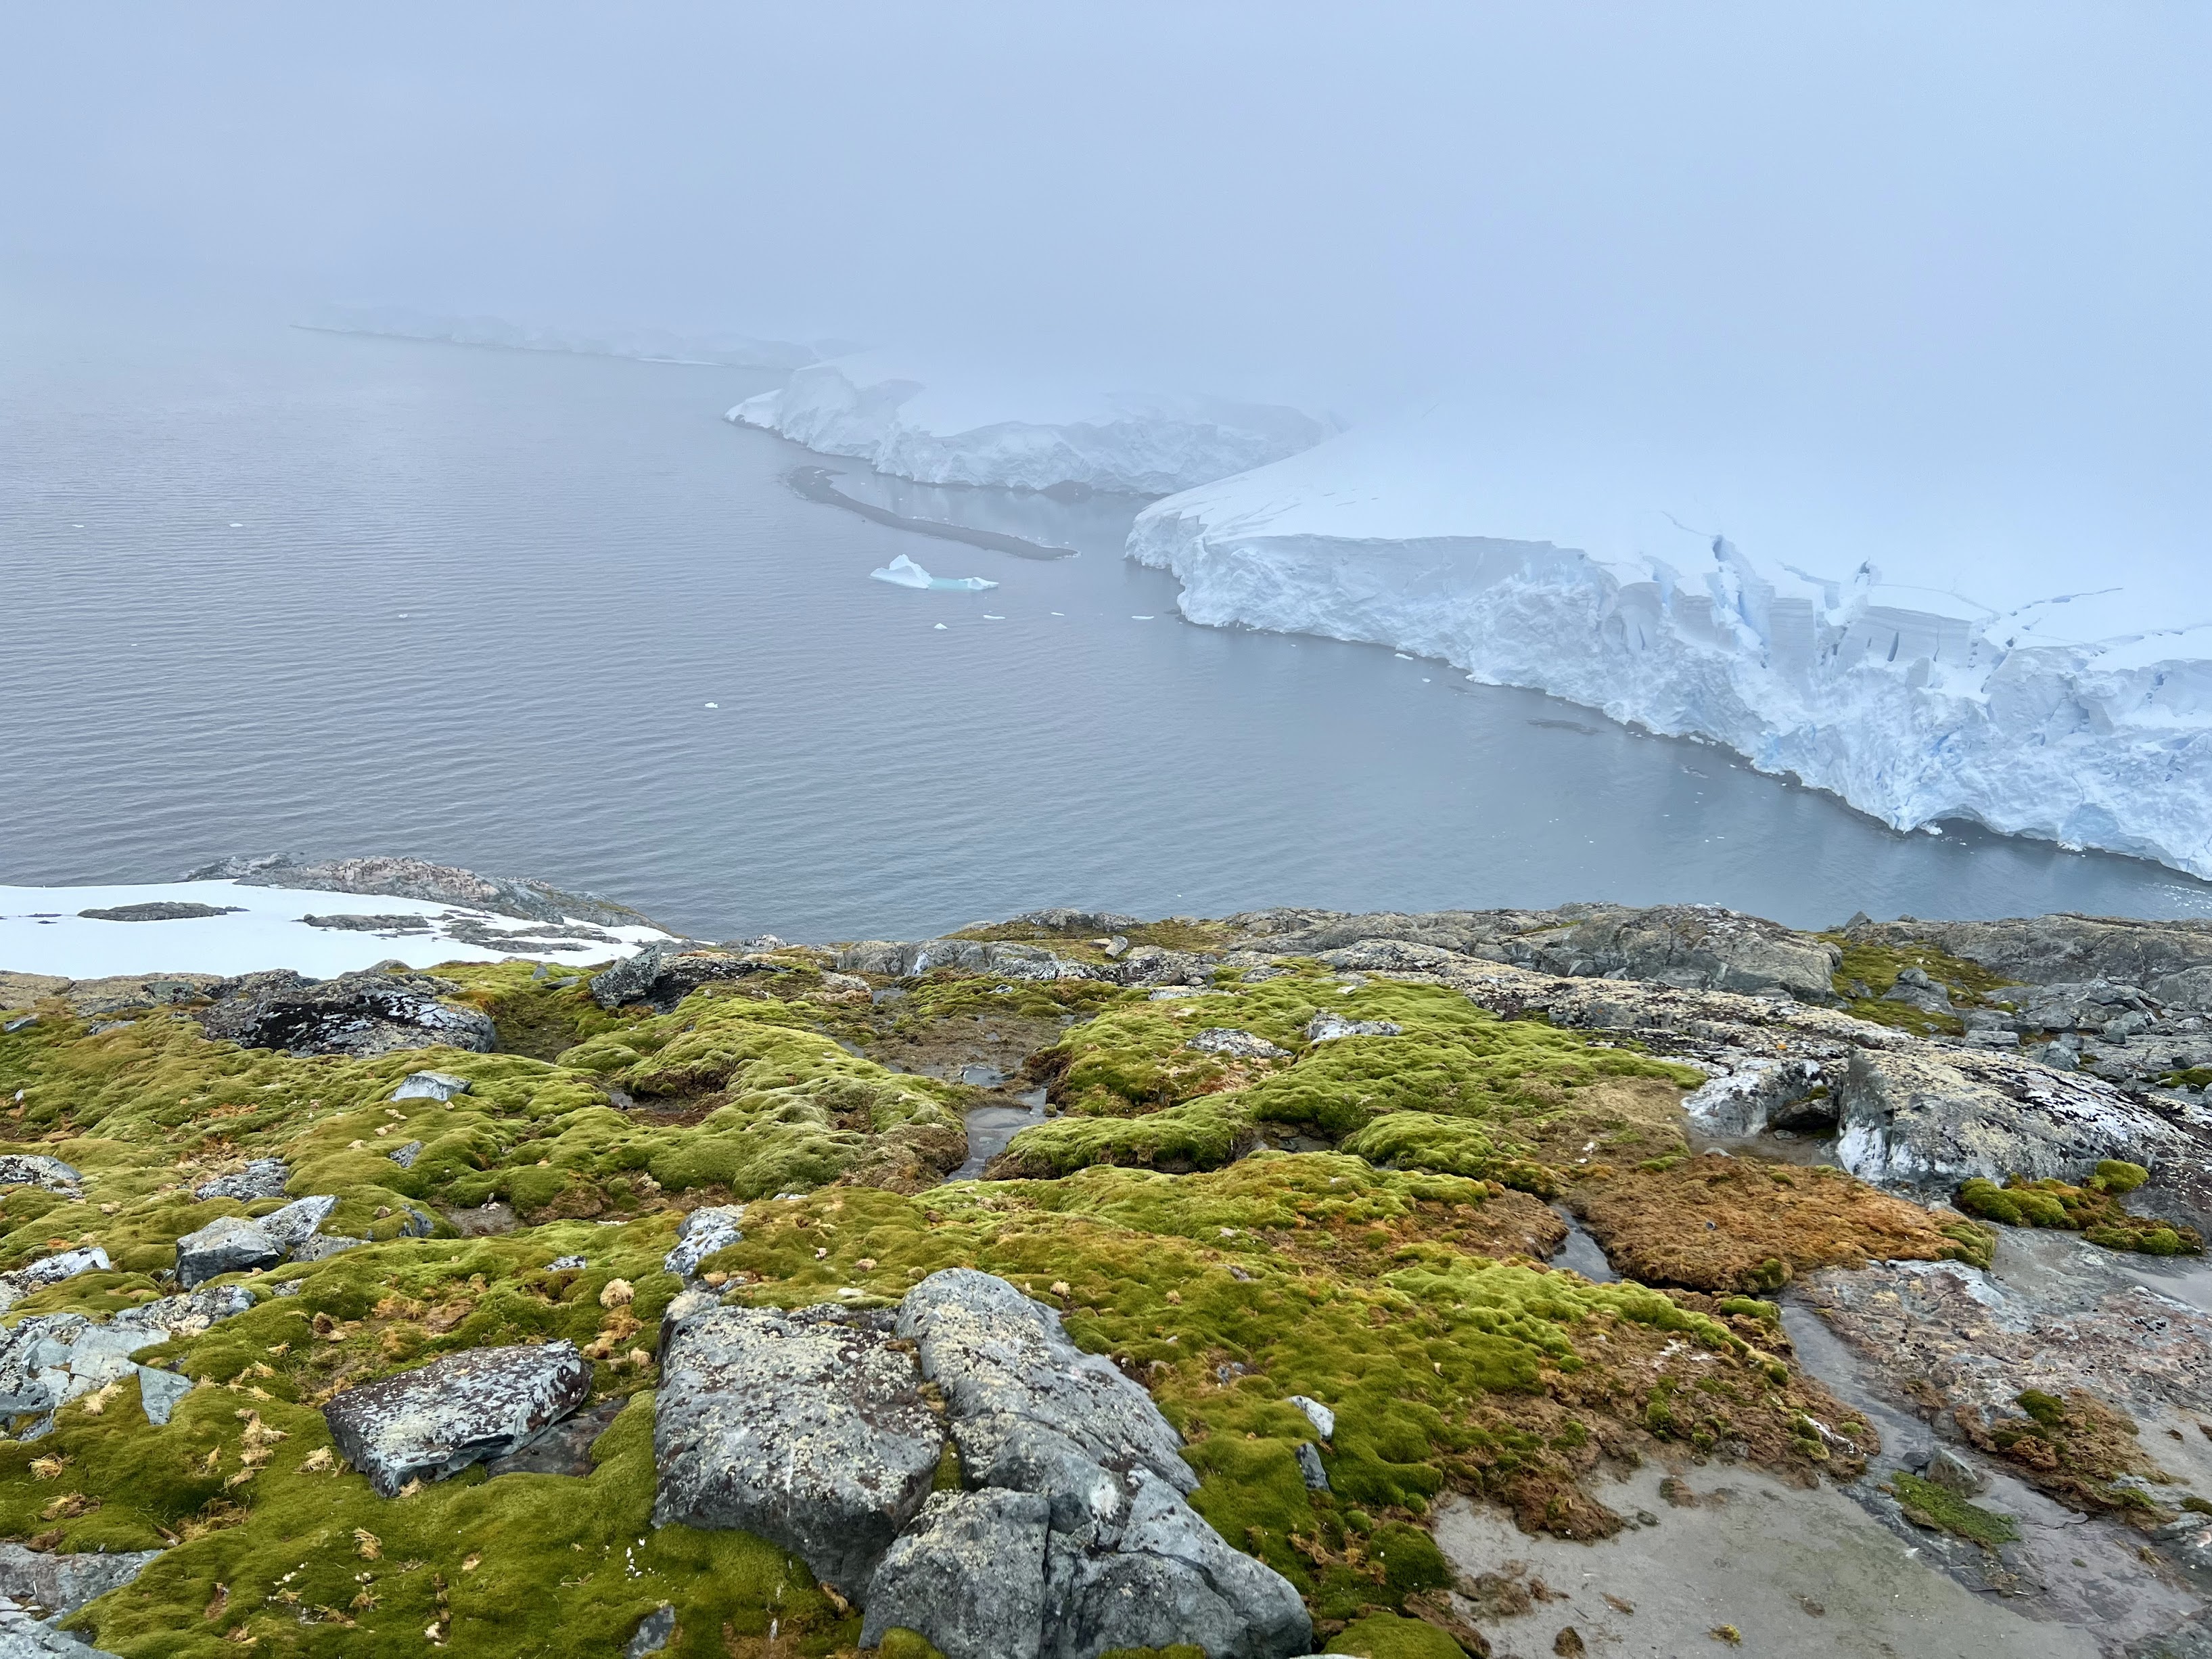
x,y
263,1177
1234,1044
1008,960
57,1584
50,1359
418,879
360,1014
968,1575
22,1636
1334,1027
662,975
405,1153
808,1428
32,1170
713,1227
228,1244
431,1085
460,1409
296,1222
158,1392
49,1270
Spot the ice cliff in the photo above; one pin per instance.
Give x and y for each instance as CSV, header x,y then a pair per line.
x,y
1970,686
914,421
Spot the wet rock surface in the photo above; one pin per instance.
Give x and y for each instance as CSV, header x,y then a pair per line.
x,y
361,1014
464,1408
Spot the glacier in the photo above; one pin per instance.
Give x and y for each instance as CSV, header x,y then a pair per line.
x,y
912,419
2044,691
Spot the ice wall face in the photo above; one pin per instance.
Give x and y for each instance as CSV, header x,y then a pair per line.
x,y
917,425
1910,704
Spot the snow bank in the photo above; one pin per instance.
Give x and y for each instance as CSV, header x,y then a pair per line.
x,y
913,422
2041,690
652,344
904,572
41,931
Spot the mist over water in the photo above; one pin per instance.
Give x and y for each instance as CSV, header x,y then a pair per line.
x,y
277,589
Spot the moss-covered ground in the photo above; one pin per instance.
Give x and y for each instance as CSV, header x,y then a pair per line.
x,y
1868,973
2080,1451
1939,1509
1385,1266
2093,1209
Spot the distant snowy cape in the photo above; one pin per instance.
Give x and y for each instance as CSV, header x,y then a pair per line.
x,y
912,421
1988,688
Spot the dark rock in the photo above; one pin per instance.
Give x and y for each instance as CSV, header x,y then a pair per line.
x,y
321,1248
1007,959
1309,1466
653,1633
2059,949
405,1154
1148,964
1235,1044
35,1276
296,1222
564,1449
463,1408
32,1169
968,1574
57,1584
264,1177
50,1359
415,878
806,1428
406,923
161,910
662,975
359,1014
1947,1469
228,1244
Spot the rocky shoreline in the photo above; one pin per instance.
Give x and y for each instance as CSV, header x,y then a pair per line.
x,y
653,1307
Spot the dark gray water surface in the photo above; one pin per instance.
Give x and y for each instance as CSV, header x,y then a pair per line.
x,y
268,588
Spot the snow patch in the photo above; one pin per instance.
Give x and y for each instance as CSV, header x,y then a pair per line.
x,y
262,928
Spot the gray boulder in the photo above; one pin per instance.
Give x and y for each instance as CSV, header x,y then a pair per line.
x,y
461,1409
1168,1579
32,1170
22,1636
49,1270
653,1633
1234,1044
806,1428
1332,1028
700,1234
296,1222
50,1359
228,1244
1006,959
158,1392
1149,964
57,1584
405,1154
1312,1470
264,1177
968,1574
359,1014
431,1085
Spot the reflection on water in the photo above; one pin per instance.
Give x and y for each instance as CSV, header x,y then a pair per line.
x,y
552,615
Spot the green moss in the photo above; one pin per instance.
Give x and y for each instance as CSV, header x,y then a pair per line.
x,y
1927,1504
902,1643
1388,1636
2093,1210
1876,967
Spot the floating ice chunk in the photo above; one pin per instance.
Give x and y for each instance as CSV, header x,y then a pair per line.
x,y
988,617
1140,619
1059,613
1401,656
713,705
902,572
940,627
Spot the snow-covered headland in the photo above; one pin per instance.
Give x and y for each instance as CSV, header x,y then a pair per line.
x,y
914,421
1978,686
649,345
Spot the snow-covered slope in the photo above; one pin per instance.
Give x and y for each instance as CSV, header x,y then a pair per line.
x,y
652,344
2057,692
43,931
914,421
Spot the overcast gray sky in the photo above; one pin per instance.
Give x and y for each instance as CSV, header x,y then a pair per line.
x,y
1970,233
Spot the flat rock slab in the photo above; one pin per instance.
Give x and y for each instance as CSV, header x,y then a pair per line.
x,y
564,1449
57,1584
360,1014
808,1428
264,1177
463,1408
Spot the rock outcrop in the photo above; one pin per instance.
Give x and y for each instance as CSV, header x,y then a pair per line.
x,y
416,878
263,1177
49,1270
662,975
462,1408
49,1359
59,1584
359,1014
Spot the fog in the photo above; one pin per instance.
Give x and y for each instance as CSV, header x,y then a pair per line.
x,y
1958,253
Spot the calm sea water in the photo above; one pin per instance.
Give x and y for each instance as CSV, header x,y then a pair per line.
x,y
267,588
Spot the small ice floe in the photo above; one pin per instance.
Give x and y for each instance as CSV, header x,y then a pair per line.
x,y
237,526
1057,613
1401,656
1140,619
940,627
713,705
904,572
988,617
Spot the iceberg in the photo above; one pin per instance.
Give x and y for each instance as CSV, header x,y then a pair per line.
x,y
2032,688
911,421
904,572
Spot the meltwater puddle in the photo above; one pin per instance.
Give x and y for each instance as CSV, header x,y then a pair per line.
x,y
990,1128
